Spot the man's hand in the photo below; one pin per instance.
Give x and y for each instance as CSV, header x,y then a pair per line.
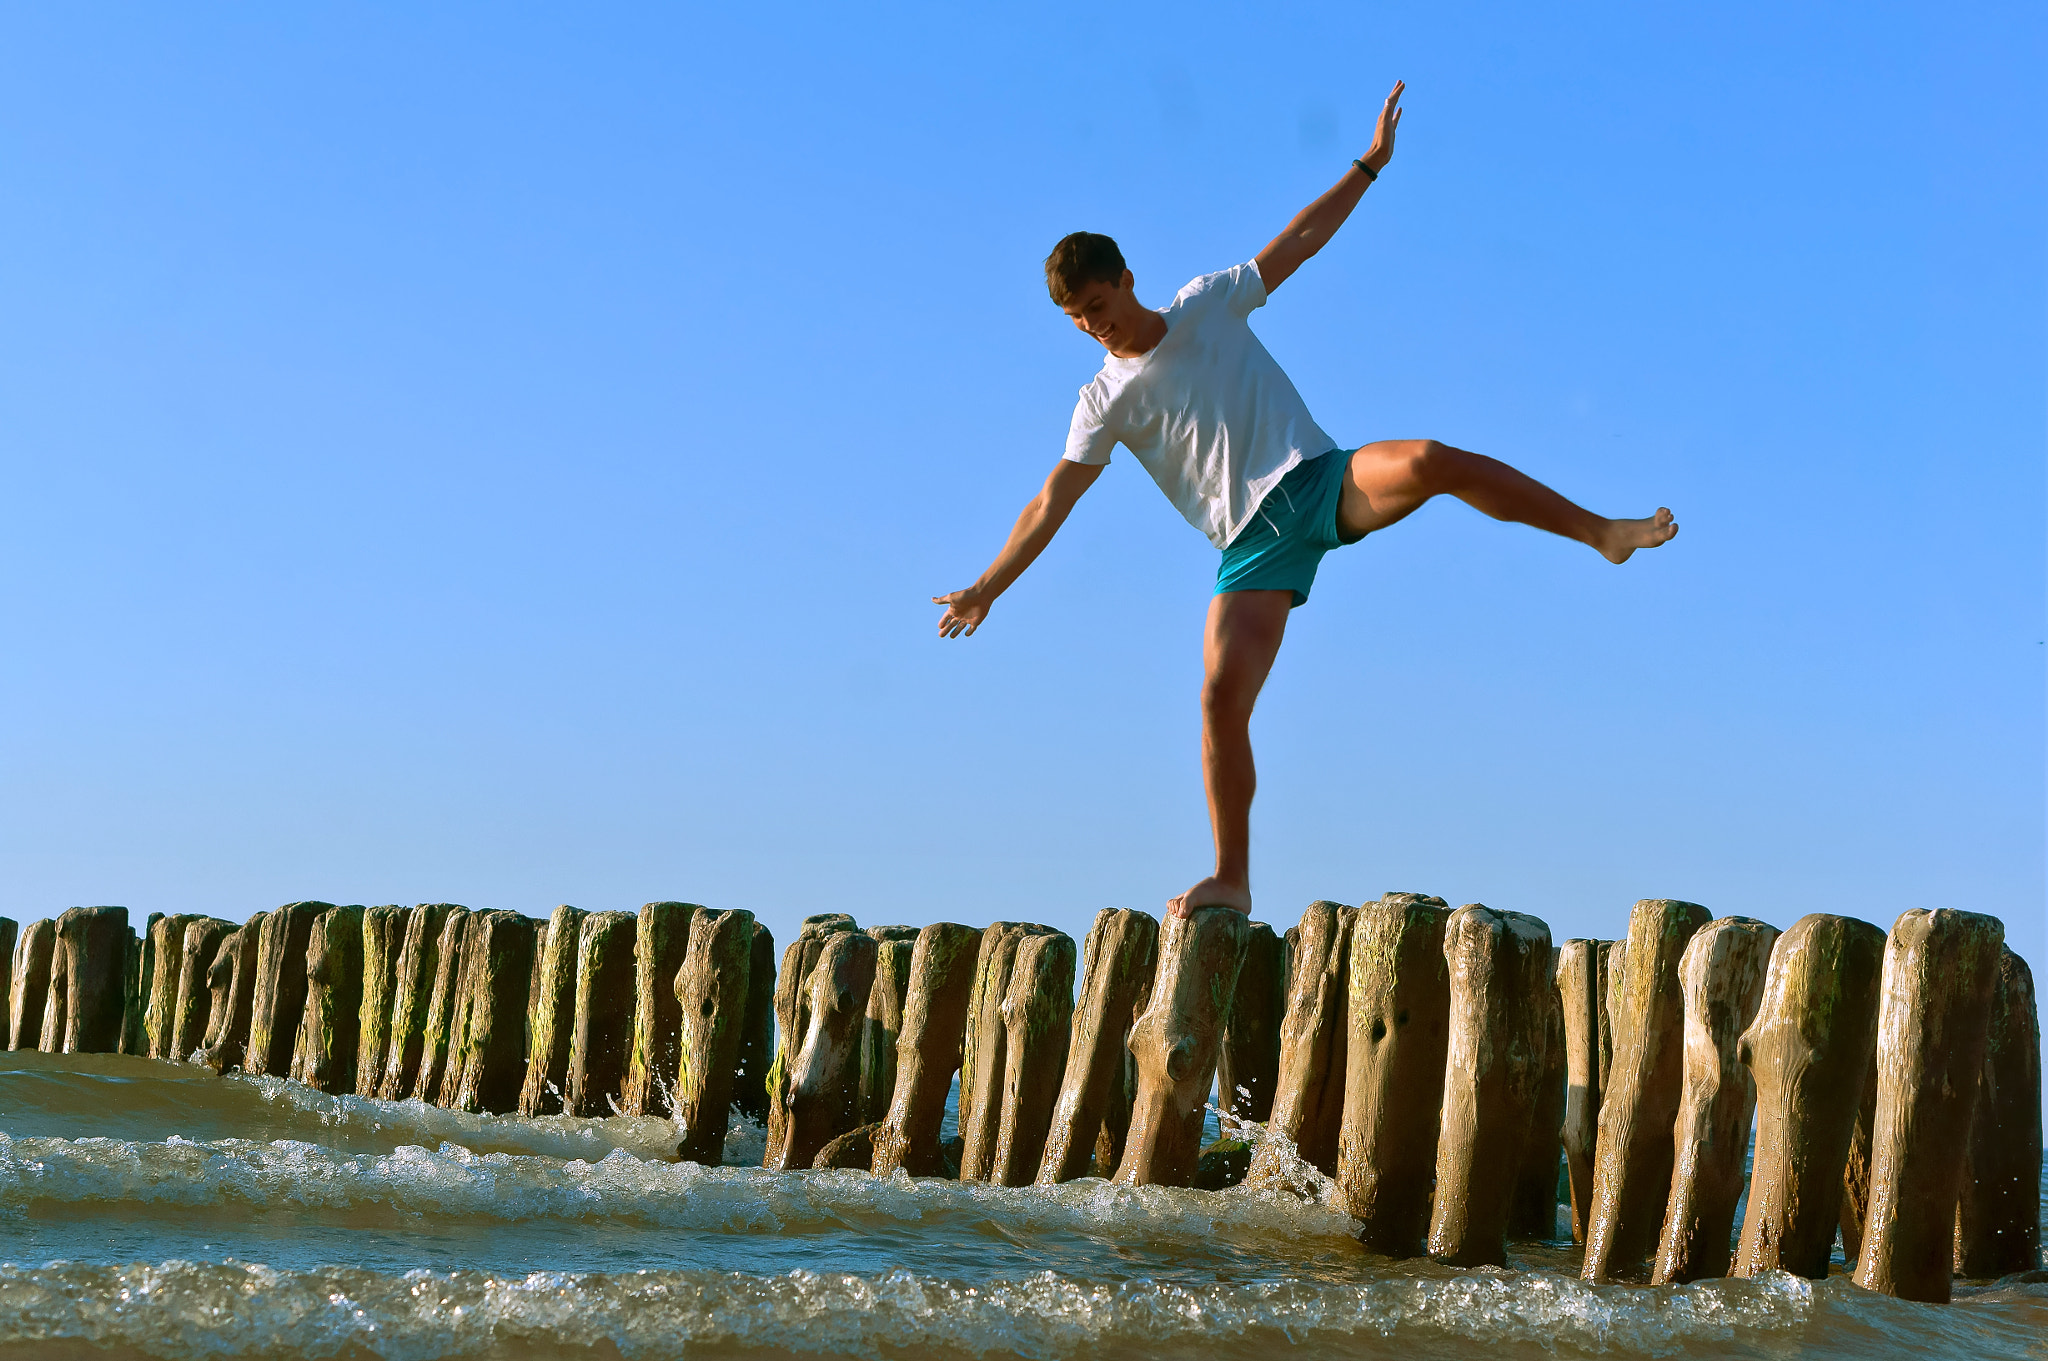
x,y
1383,135
964,612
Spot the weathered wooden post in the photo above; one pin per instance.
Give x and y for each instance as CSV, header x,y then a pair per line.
x,y
1093,1113
383,942
1808,1051
1308,1096
280,999
167,957
1581,1000
1499,975
486,1069
793,1020
29,991
982,1050
1175,1041
711,988
1933,1023
884,1022
94,941
1037,1013
231,978
1998,1224
50,1037
823,1079
1398,1033
659,942
1632,1165
444,995
1856,1171
942,972
1532,1211
1722,977
133,999
606,958
757,1032
553,1021
324,1050
192,1016
9,939
1613,973
1248,1057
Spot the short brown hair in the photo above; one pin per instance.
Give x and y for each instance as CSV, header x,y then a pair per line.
x,y
1080,259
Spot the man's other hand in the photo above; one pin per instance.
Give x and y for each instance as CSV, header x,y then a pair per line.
x,y
964,612
1383,135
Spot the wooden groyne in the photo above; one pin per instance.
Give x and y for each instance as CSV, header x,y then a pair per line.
x,y
1443,1071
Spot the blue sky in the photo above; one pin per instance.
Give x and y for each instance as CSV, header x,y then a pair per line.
x,y
502,455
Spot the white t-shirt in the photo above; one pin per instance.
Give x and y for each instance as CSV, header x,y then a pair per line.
x,y
1206,410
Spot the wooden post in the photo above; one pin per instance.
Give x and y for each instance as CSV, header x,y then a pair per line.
x,y
1119,959
1037,1014
383,941
1639,1109
9,939
711,988
29,991
192,1016
1398,1019
1998,1223
793,1020
823,1081
1532,1213
231,978
1808,1051
1579,995
1613,973
1722,977
1933,1026
444,996
324,1050
884,1021
980,1111
553,1021
487,1068
50,1037
1856,1171
1248,1058
280,999
942,973
1175,1042
757,1032
94,941
1499,965
138,975
167,957
660,940
1308,1096
606,960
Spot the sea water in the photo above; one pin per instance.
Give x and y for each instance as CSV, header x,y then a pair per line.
x,y
152,1209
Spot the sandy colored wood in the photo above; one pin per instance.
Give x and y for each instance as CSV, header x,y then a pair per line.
x,y
412,991
192,1015
942,972
137,975
659,943
231,978
551,1023
853,1151
822,1092
443,997
980,1111
884,1021
1308,1093
94,946
757,1032
712,987
602,1029
1933,1028
1722,975
1119,959
1499,965
1532,1212
324,1050
280,999
489,1064
50,1035
167,958
1038,1013
383,941
1998,1222
1248,1056
28,991
1639,1109
1174,1043
1580,1002
1808,1051
792,1018
1613,970
1397,1036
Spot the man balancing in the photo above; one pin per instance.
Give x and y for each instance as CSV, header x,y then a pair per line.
x,y
1193,394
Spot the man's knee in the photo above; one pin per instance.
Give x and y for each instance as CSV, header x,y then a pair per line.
x,y
1227,699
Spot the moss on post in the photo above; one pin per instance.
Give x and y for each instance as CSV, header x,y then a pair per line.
x,y
192,1015
793,1021
1037,1014
486,1069
280,999
659,941
606,959
552,1023
383,942
1093,1112
1175,1041
444,998
822,1086
884,1022
942,971
711,988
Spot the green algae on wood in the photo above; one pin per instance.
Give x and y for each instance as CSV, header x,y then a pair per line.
x,y
660,939
324,1051
489,1063
605,965
279,1003
551,1023
711,987
942,970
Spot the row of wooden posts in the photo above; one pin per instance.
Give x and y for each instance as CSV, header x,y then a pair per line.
x,y
1439,1065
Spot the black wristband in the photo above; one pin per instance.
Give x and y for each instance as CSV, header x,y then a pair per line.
x,y
1370,173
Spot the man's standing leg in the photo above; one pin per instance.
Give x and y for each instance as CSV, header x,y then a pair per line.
x,y
1243,637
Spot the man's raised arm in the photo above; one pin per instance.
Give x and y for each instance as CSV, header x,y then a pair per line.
x,y
1314,225
1033,531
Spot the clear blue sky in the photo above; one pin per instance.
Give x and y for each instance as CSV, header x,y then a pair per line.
x,y
502,455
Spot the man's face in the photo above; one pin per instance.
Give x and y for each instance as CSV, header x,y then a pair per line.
x,y
1107,311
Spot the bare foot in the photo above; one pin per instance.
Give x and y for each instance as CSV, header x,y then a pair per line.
x,y
1212,892
1623,537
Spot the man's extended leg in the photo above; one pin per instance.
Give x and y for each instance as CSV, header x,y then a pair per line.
x,y
1245,628
1388,480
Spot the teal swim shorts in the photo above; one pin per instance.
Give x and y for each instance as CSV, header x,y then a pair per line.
x,y
1283,544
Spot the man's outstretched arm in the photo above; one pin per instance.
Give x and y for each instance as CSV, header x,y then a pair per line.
x,y
1314,225
1033,531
